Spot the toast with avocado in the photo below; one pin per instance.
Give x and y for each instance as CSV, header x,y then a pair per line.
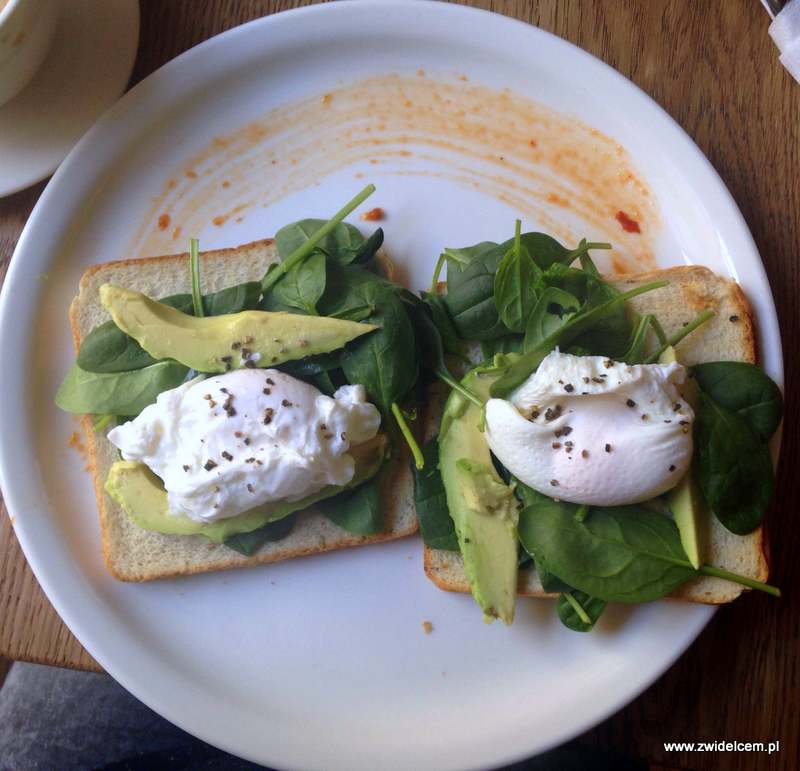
x,y
135,354
568,536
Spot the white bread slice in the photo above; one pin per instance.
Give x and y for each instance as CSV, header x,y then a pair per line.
x,y
134,554
729,336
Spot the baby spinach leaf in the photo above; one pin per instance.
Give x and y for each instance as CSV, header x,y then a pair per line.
x,y
636,351
432,350
359,313
435,523
514,288
733,466
611,334
507,344
529,497
524,560
249,543
451,342
241,297
470,293
544,249
591,609
551,583
324,382
108,349
342,243
553,310
309,242
617,554
311,365
458,259
385,361
565,335
301,287
359,255
744,389
357,511
117,393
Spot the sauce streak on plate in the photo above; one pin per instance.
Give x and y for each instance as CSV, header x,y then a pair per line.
x,y
548,166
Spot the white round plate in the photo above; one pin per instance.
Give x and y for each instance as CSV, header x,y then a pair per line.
x,y
85,71
322,662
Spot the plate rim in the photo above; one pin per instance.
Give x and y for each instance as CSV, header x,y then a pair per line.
x,y
27,539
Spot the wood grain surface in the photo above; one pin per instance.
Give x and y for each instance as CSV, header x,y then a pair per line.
x,y
712,66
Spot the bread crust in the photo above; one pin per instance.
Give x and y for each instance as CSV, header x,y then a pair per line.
x,y
194,554
731,331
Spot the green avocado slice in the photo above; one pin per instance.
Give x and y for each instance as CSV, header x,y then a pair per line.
x,y
482,506
685,500
230,341
142,496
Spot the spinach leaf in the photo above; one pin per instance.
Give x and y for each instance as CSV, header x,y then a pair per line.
x,y
432,355
311,365
249,543
551,583
744,389
636,351
617,554
507,344
385,361
365,252
609,335
108,349
458,259
553,310
357,511
234,299
733,466
324,382
117,393
544,249
470,291
301,287
514,287
529,497
518,372
342,243
451,342
591,608
435,523
358,313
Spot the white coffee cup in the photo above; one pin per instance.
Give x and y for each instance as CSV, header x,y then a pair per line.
x,y
26,32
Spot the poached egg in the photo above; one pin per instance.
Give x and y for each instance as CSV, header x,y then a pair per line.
x,y
228,443
590,430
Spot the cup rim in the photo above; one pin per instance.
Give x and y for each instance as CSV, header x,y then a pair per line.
x,y
7,10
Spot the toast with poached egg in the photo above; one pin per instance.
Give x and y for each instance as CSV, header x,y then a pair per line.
x,y
132,553
728,336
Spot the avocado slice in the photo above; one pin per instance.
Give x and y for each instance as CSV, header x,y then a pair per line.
x,y
141,494
685,500
221,343
482,506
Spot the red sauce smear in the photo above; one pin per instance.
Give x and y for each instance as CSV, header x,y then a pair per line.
x,y
163,222
628,225
373,215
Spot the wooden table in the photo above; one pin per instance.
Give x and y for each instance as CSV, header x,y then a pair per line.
x,y
715,70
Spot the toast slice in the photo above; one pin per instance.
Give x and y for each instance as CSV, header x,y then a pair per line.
x,y
134,554
729,336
